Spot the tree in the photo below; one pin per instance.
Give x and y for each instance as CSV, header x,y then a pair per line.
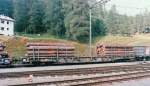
x,y
36,15
98,28
70,18
112,21
6,7
77,20
98,18
21,9
54,17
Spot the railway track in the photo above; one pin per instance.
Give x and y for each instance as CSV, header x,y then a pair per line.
x,y
79,71
92,81
84,76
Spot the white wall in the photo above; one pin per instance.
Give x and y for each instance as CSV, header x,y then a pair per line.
x,y
10,26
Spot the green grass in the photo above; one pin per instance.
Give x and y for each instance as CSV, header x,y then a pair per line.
x,y
136,40
39,36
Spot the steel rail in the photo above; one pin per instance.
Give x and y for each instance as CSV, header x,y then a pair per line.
x,y
79,71
91,81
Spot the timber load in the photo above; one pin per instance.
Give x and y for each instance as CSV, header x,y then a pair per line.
x,y
49,50
2,47
115,51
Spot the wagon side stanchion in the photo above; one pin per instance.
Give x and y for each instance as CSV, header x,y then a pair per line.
x,y
33,55
57,54
38,54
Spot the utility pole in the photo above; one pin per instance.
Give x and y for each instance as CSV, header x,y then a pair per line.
x,y
101,2
91,33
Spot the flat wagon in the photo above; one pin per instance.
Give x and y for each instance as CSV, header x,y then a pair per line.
x,y
112,53
4,57
142,52
49,53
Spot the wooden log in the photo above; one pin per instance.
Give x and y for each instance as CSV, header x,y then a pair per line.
x,y
48,44
50,47
50,52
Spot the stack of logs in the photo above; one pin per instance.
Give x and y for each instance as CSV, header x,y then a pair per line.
x,y
2,47
44,50
115,51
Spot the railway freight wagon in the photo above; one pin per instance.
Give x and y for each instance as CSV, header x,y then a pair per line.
x,y
56,53
60,53
142,52
49,53
114,53
4,57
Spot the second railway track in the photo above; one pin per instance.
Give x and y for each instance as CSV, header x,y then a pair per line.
x,y
84,76
78,71
91,81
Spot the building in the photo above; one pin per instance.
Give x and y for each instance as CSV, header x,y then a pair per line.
x,y
6,25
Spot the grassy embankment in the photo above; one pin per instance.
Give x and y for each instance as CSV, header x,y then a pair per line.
x,y
16,45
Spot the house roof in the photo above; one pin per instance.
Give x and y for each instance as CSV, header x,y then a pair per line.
x,y
6,18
